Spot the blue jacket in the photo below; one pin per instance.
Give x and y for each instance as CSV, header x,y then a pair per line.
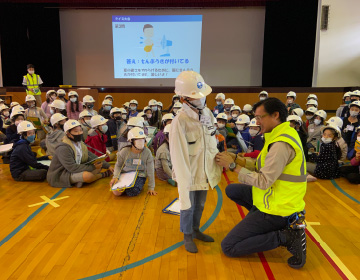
x,y
22,157
218,109
11,134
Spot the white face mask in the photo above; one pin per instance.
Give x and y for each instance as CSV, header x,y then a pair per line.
x,y
104,128
198,103
221,125
234,116
139,144
308,117
218,103
326,140
240,127
17,122
154,108
88,122
52,111
107,108
262,98
354,113
31,72
73,100
124,116
317,122
149,116
132,108
253,132
6,113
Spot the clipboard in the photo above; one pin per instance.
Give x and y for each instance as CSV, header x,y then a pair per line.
x,y
96,160
126,181
173,208
6,148
35,121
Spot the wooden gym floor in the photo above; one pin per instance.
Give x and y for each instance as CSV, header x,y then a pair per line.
x,y
87,233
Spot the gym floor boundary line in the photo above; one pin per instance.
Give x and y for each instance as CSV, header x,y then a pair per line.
x,y
32,216
344,192
163,252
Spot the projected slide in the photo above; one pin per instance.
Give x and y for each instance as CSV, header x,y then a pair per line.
x,y
150,47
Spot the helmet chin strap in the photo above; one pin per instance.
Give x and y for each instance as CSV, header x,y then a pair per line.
x,y
193,106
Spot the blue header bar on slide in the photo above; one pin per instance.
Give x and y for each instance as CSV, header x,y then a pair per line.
x,y
175,18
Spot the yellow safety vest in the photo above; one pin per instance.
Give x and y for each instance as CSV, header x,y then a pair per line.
x,y
32,82
286,195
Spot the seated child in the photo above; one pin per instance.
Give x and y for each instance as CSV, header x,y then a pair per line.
x,y
314,130
133,122
51,96
256,142
88,104
54,137
351,122
17,116
242,125
310,116
105,109
132,109
290,102
74,107
36,112
135,158
22,157
70,162
248,110
221,123
5,117
115,124
232,142
336,121
84,120
176,108
220,139
352,172
346,102
163,165
160,137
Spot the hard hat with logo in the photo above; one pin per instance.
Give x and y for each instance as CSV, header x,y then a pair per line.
x,y
136,121
263,92
177,105
347,94
220,96
335,121
321,113
235,108
160,104
58,104
107,102
136,133
311,95
167,129
30,98
355,103
312,102
147,108
243,119
253,122
116,110
153,102
247,108
311,110
57,118
133,102
84,113
88,99
191,84
123,111
222,116
175,96
70,124
229,101
334,127
61,92
13,104
97,120
49,92
3,107
291,94
19,108
25,126
16,112
73,93
294,118
109,96
298,112
167,117
355,93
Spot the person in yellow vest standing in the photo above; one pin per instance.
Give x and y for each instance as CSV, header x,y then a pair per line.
x,y
32,83
272,189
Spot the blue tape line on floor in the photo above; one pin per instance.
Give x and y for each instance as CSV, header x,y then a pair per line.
x,y
23,224
344,192
165,251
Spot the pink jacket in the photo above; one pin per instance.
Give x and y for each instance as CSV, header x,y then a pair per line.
x,y
73,115
354,162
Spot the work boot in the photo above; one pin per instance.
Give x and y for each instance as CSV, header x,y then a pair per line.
x,y
295,242
190,246
201,236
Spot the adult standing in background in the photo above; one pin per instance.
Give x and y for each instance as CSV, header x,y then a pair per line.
x,y
32,83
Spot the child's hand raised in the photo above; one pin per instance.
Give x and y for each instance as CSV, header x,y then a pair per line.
x,y
152,192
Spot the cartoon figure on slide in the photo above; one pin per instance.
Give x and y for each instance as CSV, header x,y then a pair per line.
x,y
148,34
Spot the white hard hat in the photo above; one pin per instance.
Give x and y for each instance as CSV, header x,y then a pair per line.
x,y
16,112
247,108
61,92
107,102
25,126
159,104
123,111
291,94
222,116
191,84
97,120
264,92
147,108
88,99
312,102
50,92
355,93
167,117
13,104
311,95
235,108
167,129
355,103
30,98
153,102
126,104
334,127
294,118
229,101
321,113
243,119
58,104
84,113
3,107
133,102
70,124
175,96
298,112
220,96
136,121
19,108
72,93
116,110
253,122
335,121
57,118
347,94
136,133
177,105
311,110
108,96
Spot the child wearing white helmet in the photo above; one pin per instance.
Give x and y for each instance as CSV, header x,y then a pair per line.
x,y
175,99
74,107
106,108
58,106
133,104
126,106
147,115
351,173
290,102
221,121
17,116
88,104
314,131
160,136
219,108
256,141
55,136
155,119
310,115
110,98
71,164
97,137
327,166
193,149
160,106
51,96
116,126
163,165
177,106
242,127
336,121
263,95
227,106
345,102
84,120
220,140
132,122
5,117
351,122
137,158
248,110
354,96
311,103
22,158
36,112
62,95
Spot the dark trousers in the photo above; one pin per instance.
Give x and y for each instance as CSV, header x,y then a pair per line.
x,y
137,188
257,232
32,175
351,173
